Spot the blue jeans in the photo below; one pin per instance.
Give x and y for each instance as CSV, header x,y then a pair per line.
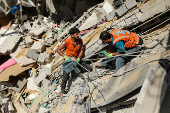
x,y
121,60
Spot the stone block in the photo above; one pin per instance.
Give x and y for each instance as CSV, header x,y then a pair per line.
x,y
50,41
40,77
37,46
41,58
46,70
37,32
28,41
32,54
122,10
25,26
9,43
110,16
130,4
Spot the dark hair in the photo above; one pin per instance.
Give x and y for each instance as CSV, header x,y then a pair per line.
x,y
104,35
74,30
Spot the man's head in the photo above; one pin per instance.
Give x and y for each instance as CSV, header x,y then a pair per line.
x,y
105,37
74,32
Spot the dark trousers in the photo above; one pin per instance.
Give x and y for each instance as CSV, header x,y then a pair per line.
x,y
73,73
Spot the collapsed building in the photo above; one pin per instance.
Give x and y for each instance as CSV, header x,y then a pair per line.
x,y
31,70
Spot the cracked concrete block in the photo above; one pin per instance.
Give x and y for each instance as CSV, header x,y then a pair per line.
x,y
37,46
130,4
110,16
41,58
9,43
49,34
50,41
28,41
48,71
37,31
25,26
90,22
40,77
122,10
31,85
31,54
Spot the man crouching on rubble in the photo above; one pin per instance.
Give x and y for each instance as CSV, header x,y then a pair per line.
x,y
74,50
122,42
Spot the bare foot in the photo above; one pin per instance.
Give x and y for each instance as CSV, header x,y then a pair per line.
x,y
61,95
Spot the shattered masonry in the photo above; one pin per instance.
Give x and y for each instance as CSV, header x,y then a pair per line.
x,y
31,70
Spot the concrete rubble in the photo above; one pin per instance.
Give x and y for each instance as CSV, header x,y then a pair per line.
x,y
33,84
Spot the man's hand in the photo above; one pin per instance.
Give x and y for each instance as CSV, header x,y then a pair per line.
x,y
66,58
77,60
103,53
109,55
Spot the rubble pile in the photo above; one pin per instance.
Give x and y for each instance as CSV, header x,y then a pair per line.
x,y
31,74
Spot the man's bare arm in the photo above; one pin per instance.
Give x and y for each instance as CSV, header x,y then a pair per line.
x,y
81,53
58,50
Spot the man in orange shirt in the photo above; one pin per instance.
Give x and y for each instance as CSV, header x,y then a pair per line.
x,y
74,49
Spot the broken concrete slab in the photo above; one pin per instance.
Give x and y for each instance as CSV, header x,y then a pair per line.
x,y
25,26
40,77
48,71
152,8
122,10
108,7
9,43
130,4
110,16
41,58
153,91
37,46
31,86
37,32
28,41
31,54
90,22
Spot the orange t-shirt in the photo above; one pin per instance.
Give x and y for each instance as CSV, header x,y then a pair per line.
x,y
70,49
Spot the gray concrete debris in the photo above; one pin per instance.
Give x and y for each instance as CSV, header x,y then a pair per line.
x,y
122,10
152,8
31,54
5,100
37,46
49,34
40,77
110,16
37,32
46,70
25,26
28,41
41,58
130,4
9,43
